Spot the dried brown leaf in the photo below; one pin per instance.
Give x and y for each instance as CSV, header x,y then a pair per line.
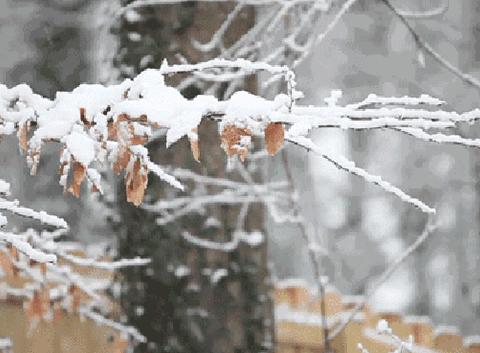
x,y
231,137
121,163
194,146
123,117
79,171
34,160
138,140
112,131
13,252
83,118
274,137
136,183
121,345
23,137
43,268
7,265
39,305
57,312
76,296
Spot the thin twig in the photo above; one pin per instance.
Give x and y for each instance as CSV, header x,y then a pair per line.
x,y
423,44
312,254
440,10
427,231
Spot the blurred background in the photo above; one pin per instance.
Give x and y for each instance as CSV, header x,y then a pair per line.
x,y
54,45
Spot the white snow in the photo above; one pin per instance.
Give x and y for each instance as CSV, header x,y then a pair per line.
x,y
470,341
42,216
26,248
81,147
4,187
383,327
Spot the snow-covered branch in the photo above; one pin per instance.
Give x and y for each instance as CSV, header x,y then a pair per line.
x,y
111,124
52,273
350,167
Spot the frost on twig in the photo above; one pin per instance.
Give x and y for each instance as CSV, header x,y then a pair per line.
x,y
112,124
430,227
384,329
349,166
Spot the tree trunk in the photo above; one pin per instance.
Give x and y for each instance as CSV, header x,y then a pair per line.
x,y
181,302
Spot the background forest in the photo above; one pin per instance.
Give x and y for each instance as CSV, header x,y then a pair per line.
x,y
192,298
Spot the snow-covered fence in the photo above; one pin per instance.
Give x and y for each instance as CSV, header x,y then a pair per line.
x,y
39,321
298,320
68,333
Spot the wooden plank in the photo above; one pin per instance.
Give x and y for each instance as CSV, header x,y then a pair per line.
x,y
69,334
333,303
300,334
396,323
472,344
422,330
448,341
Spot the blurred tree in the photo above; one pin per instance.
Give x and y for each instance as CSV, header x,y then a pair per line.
x,y
50,55
190,299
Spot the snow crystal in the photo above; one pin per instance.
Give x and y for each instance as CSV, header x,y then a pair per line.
x,y
132,16
218,274
252,238
383,327
3,220
134,36
182,271
212,222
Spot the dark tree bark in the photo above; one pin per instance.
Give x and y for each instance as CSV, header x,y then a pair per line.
x,y
189,311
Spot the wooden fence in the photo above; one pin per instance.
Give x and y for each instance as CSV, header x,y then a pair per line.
x,y
298,323
69,333
299,326
62,332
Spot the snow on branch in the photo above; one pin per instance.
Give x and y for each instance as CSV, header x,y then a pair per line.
x,y
372,99
349,166
111,125
105,265
19,242
122,329
300,35
54,275
253,239
440,138
232,193
436,11
26,248
42,216
384,329
241,64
